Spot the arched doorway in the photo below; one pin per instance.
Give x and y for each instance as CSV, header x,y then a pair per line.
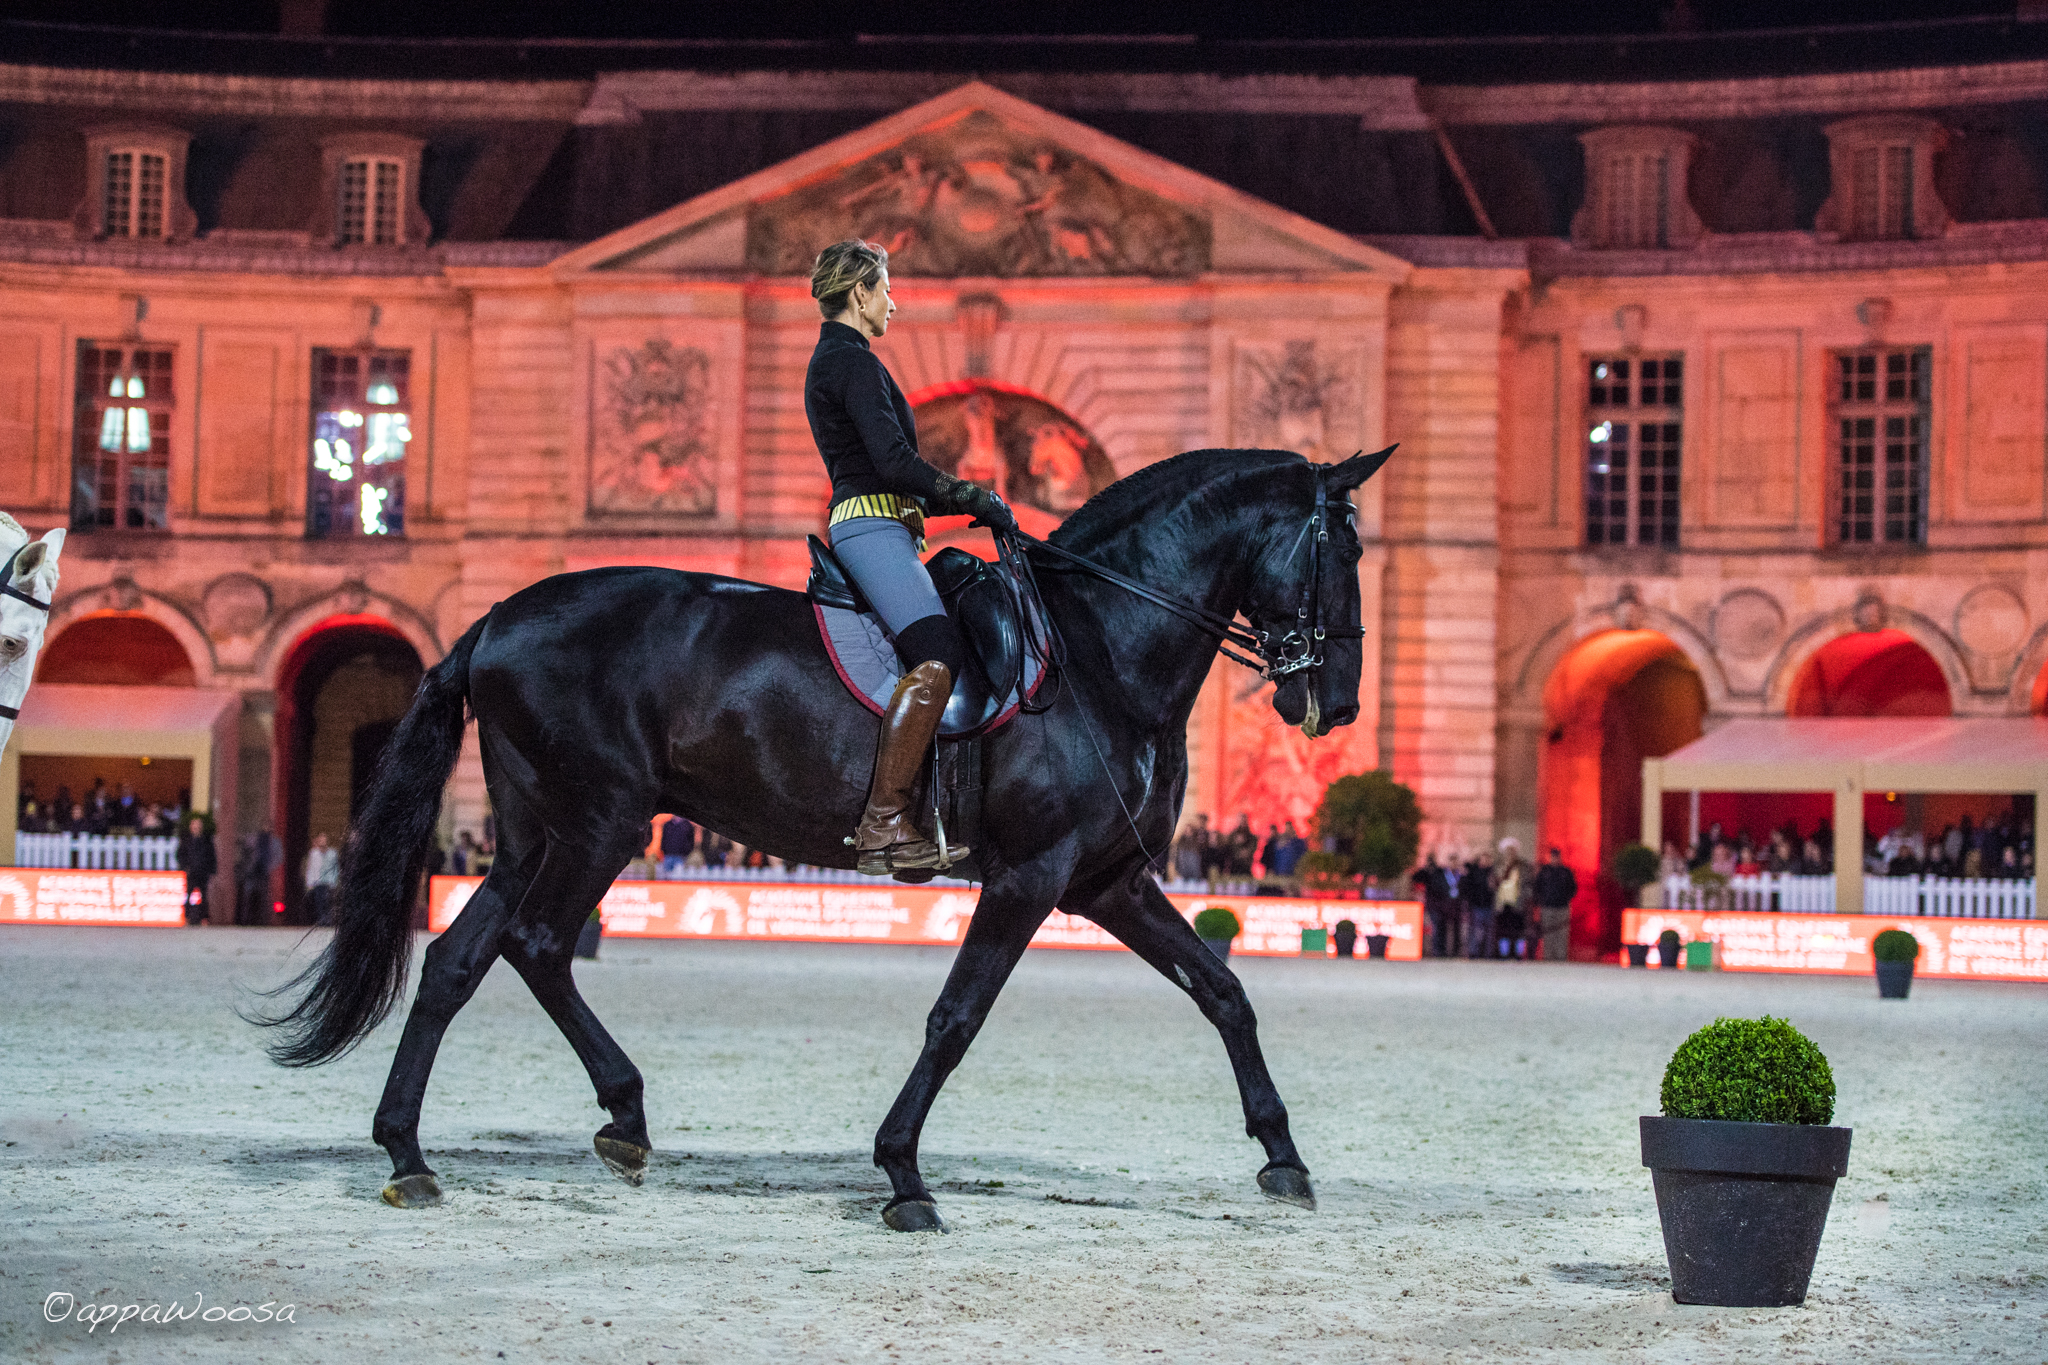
x,y
1617,698
123,649
340,694
1870,673
1042,461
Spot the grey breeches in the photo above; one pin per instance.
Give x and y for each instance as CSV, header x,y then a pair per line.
x,y
882,558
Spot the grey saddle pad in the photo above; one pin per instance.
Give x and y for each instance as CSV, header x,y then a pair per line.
x,y
1000,674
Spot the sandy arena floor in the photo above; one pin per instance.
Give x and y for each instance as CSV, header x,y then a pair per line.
x,y
1471,1128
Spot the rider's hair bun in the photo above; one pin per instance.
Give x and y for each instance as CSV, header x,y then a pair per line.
x,y
840,267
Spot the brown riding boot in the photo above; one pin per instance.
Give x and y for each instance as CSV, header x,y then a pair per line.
x,y
888,839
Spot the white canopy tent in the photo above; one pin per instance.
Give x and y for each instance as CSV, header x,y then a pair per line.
x,y
1850,757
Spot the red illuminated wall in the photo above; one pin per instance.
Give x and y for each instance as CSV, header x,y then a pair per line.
x,y
116,648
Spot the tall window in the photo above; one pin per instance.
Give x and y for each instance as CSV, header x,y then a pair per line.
x,y
1882,413
1881,193
134,187
1634,418
361,424
121,458
370,211
1638,189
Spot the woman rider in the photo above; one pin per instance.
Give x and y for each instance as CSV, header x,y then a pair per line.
x,y
881,491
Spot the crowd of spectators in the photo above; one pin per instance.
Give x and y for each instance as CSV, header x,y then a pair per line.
x,y
1786,851
100,810
2001,848
1204,854
1505,908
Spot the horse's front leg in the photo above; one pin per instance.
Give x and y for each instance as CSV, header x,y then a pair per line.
x,y
1137,912
996,938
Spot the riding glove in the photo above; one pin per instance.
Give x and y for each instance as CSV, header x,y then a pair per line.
x,y
971,499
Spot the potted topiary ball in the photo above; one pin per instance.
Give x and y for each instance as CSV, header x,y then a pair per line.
x,y
1345,936
1744,1163
1895,951
1216,926
1668,949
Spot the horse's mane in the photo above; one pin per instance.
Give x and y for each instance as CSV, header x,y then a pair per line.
x,y
1142,490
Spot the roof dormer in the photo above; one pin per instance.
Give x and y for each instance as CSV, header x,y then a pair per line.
x,y
1636,190
371,191
135,186
1883,176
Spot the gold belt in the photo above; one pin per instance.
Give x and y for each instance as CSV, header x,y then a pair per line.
x,y
887,505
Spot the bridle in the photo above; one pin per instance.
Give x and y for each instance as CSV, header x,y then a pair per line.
x,y
1299,649
7,589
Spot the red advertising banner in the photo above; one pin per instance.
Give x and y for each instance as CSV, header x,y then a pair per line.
x,y
888,912
154,900
1953,949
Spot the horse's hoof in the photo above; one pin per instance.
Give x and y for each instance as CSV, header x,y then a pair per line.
x,y
626,1160
913,1215
1287,1185
413,1192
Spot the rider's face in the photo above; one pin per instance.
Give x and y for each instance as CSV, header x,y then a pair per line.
x,y
872,308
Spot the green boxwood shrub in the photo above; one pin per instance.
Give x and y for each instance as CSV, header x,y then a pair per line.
x,y
1215,923
1895,945
1749,1071
1636,866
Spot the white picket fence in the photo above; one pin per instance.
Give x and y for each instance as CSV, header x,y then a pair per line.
x,y
116,852
1968,897
1965,897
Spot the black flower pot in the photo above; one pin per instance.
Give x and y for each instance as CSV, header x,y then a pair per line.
x,y
1638,954
586,940
1218,946
1894,980
1376,945
1743,1205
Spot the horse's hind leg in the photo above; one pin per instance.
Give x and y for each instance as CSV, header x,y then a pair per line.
x,y
540,948
454,967
1138,912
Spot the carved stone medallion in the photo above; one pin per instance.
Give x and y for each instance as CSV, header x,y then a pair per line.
x,y
1290,398
1991,620
1748,624
652,446
237,604
977,197
1014,443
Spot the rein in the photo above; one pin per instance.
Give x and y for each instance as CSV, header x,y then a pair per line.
x,y
1298,649
7,589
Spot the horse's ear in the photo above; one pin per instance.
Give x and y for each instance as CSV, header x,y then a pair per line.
x,y
1351,473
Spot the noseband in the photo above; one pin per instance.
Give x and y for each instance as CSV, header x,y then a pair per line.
x,y
1301,648
7,589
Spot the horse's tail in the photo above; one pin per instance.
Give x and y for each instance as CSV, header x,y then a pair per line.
x,y
354,983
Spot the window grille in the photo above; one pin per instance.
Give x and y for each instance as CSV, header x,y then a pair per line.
x,y
1637,192
135,187
369,208
361,426
1635,425
121,455
1882,413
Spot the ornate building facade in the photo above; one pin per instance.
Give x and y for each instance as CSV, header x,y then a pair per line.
x,y
1709,392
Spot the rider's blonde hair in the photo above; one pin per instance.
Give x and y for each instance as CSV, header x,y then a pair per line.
x,y
840,267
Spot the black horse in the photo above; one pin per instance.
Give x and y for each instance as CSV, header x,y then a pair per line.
x,y
604,697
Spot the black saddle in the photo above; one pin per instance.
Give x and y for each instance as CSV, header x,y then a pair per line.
x,y
979,601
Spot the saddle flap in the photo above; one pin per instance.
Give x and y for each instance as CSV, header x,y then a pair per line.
x,y
830,585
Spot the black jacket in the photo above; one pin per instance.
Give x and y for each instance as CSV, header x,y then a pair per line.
x,y
862,424
1555,885
196,857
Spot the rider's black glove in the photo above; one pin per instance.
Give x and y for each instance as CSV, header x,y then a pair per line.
x,y
992,512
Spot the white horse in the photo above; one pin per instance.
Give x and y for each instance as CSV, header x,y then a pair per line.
x,y
28,581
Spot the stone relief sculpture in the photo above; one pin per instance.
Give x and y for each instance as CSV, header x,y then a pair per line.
x,y
1288,400
1022,447
977,197
652,448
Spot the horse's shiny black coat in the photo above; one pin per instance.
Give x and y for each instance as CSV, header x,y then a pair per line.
x,y
603,698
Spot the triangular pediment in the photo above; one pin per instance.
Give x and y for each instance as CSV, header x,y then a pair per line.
x,y
978,183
